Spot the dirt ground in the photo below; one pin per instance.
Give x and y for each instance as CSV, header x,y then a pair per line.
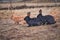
x,y
11,31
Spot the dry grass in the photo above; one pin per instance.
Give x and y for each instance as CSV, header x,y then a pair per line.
x,y
11,31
